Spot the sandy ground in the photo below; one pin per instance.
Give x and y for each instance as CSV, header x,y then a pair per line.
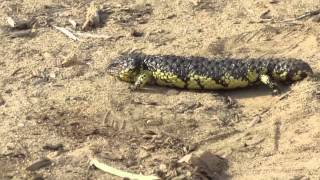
x,y
58,103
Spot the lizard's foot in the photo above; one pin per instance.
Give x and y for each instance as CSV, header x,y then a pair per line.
x,y
276,92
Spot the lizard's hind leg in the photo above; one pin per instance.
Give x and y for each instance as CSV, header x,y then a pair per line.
x,y
265,79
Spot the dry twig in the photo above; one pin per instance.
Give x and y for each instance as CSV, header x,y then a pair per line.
x,y
305,15
67,33
120,173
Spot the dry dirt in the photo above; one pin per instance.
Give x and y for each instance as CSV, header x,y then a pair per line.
x,y
58,103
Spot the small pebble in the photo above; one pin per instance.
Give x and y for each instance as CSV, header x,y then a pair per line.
x,y
171,16
274,2
39,164
136,33
316,18
154,122
18,24
21,33
2,101
53,147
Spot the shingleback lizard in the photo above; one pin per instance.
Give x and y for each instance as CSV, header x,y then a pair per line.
x,y
202,73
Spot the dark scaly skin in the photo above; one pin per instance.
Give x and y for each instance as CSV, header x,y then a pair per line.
x,y
203,73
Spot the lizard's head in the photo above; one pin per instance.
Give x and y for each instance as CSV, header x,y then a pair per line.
x,y
126,67
294,71
301,71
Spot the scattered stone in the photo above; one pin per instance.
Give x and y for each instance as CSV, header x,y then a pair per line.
x,y
274,1
154,122
150,132
18,24
316,18
39,164
21,33
171,16
147,136
136,33
2,101
206,164
8,91
210,164
53,147
111,156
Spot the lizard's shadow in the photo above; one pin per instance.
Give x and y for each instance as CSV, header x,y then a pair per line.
x,y
254,91
248,92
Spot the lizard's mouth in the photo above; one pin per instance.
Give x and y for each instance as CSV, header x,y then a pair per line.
x,y
307,72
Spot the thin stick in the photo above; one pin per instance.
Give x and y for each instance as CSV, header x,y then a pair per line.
x,y
120,173
307,14
66,32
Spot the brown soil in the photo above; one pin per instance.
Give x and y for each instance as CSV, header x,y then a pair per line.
x,y
58,103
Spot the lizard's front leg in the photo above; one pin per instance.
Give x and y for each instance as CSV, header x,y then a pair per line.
x,y
265,79
142,79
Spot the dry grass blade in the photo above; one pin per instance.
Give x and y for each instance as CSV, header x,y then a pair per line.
x,y
120,173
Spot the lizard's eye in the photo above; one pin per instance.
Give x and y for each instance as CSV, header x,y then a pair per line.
x,y
114,67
